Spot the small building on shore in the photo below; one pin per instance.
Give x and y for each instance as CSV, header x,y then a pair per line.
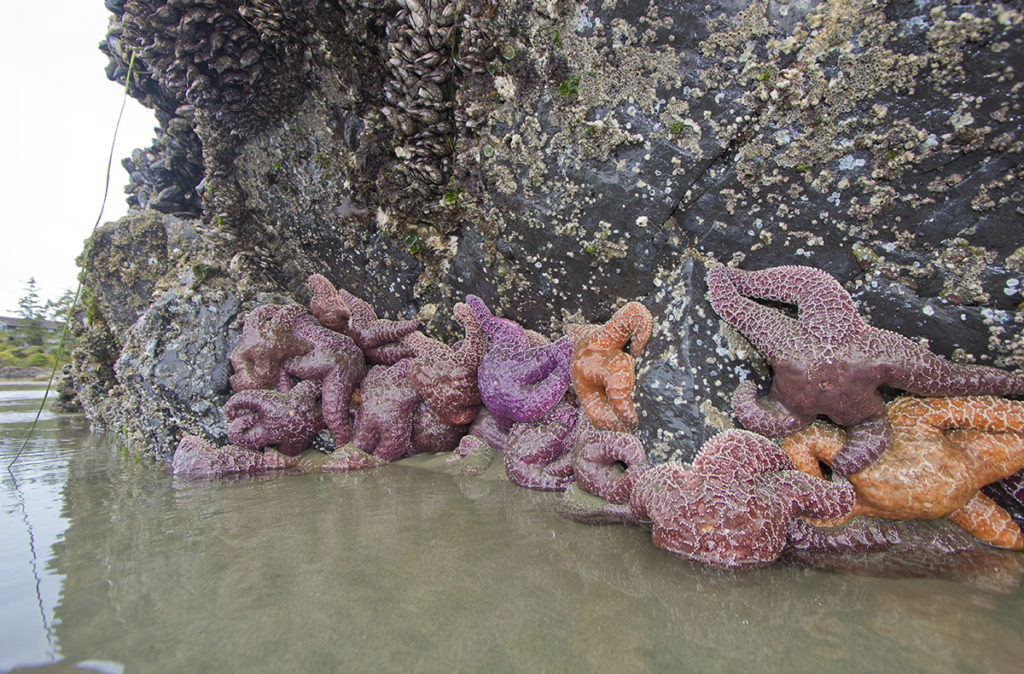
x,y
8,323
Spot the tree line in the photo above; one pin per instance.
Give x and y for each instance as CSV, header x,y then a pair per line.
x,y
31,344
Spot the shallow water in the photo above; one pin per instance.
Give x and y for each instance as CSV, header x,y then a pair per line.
x,y
106,560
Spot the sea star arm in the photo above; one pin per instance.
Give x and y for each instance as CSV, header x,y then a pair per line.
x,y
858,534
813,497
359,310
985,520
864,443
606,463
543,375
606,393
379,338
822,303
327,305
384,423
983,413
538,455
553,476
911,367
267,339
195,457
472,349
996,456
766,415
388,354
817,442
632,323
765,327
258,418
735,450
384,331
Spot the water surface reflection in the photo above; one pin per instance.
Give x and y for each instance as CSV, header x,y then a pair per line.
x,y
410,568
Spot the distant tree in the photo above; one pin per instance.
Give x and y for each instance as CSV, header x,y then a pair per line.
x,y
28,305
57,310
29,308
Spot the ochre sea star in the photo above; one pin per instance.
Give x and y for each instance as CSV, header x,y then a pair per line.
x,y
537,455
385,418
519,383
829,361
195,457
340,310
735,506
446,377
606,463
260,418
602,373
267,340
943,450
337,364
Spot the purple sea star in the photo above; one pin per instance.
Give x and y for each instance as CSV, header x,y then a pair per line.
x,y
602,373
337,364
606,463
537,455
519,383
267,340
340,310
734,507
385,419
432,434
830,361
196,457
260,418
446,377
483,438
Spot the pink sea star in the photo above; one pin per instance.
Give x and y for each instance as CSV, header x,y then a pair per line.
x,y
602,373
337,363
195,457
446,377
340,310
734,507
537,455
260,418
385,420
267,340
606,463
519,383
830,361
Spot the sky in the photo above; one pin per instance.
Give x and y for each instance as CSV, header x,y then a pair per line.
x,y
56,123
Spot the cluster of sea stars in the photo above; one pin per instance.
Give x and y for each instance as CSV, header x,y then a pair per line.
x,y
386,391
561,415
915,459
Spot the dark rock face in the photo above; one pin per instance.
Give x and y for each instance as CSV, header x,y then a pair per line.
x,y
571,156
152,362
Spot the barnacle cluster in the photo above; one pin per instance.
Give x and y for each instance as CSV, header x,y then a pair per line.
x,y
421,40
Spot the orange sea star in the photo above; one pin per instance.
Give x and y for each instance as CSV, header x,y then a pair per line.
x,y
943,450
602,373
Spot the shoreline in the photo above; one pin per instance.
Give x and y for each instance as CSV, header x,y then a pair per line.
x,y
27,374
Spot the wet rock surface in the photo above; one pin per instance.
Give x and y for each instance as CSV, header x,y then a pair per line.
x,y
588,154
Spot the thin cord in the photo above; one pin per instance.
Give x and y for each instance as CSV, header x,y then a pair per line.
x,y
78,291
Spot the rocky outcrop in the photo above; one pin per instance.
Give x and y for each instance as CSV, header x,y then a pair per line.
x,y
560,158
161,319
